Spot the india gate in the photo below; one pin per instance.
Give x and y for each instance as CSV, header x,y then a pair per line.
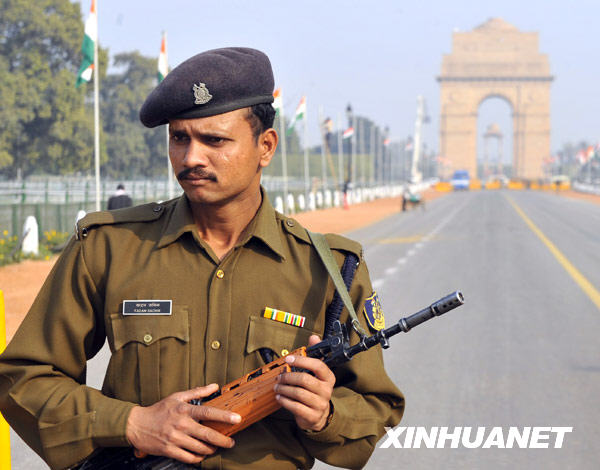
x,y
495,60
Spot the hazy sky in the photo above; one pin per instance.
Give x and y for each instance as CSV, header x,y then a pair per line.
x,y
377,55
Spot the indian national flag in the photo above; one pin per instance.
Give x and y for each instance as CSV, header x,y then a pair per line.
x,y
300,114
590,152
163,63
278,100
348,133
87,48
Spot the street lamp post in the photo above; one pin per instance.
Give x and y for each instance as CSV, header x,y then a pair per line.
x,y
350,116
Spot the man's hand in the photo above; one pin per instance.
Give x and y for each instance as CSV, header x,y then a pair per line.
x,y
170,427
304,395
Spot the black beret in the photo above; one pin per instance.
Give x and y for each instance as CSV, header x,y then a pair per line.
x,y
213,82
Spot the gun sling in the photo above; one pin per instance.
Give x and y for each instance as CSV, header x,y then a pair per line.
x,y
328,260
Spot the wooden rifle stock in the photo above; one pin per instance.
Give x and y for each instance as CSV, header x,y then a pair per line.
x,y
252,396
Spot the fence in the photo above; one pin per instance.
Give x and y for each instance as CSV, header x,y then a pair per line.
x,y
55,204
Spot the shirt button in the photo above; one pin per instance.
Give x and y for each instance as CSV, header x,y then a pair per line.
x,y
284,352
289,222
215,345
220,274
147,338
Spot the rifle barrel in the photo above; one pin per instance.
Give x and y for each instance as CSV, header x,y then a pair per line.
x,y
445,304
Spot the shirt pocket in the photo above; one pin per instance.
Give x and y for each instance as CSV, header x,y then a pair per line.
x,y
280,337
150,355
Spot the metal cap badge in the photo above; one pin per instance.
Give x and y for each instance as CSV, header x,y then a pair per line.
x,y
201,94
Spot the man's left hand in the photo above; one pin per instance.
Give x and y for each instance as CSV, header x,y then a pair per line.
x,y
307,396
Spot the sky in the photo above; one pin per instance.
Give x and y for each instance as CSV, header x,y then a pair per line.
x,y
376,55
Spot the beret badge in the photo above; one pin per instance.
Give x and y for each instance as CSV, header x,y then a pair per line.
x,y
201,94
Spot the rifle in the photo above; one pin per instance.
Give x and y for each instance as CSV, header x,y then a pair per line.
x,y
253,397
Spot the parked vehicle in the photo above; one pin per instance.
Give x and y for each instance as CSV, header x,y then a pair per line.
x,y
460,180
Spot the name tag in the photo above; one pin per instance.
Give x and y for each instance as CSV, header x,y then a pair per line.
x,y
147,307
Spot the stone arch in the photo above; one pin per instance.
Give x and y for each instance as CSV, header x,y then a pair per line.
x,y
495,60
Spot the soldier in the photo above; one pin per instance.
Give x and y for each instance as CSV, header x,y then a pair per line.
x,y
180,289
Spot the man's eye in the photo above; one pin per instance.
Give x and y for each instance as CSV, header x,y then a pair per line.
x,y
215,140
178,137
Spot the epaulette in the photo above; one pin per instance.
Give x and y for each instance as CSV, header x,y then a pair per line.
x,y
294,228
336,242
340,243
143,213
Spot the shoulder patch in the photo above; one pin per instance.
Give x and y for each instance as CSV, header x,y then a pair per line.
x,y
294,228
340,243
374,313
143,213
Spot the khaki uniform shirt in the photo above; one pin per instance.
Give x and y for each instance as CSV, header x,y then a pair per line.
x,y
154,252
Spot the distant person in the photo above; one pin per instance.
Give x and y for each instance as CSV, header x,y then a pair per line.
x,y
120,199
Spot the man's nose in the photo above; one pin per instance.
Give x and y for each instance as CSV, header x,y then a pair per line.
x,y
196,154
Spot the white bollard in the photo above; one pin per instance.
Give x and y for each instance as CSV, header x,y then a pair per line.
x,y
336,199
301,202
311,202
31,242
291,207
320,200
328,198
279,204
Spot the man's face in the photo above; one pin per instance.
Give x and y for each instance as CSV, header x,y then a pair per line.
x,y
217,159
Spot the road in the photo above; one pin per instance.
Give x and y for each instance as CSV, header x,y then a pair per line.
x,y
522,351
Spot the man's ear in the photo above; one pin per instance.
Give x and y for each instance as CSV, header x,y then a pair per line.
x,y
267,142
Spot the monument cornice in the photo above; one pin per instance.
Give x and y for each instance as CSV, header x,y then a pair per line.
x,y
549,78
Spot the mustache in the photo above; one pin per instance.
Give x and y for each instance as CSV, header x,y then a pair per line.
x,y
196,172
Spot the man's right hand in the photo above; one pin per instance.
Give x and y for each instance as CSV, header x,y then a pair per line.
x,y
171,427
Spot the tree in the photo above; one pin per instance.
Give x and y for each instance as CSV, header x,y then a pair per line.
x,y
132,149
44,124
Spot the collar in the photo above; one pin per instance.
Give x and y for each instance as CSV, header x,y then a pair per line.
x,y
264,226
180,221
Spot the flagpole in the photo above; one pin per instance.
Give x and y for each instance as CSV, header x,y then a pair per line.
x,y
97,115
353,141
374,162
170,176
306,168
323,144
340,151
284,158
361,137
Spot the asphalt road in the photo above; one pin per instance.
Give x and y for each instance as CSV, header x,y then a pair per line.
x,y
522,351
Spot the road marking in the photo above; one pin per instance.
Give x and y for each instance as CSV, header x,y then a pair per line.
x,y
579,278
377,283
411,239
